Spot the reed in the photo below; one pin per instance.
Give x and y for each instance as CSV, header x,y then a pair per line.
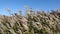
x,y
33,23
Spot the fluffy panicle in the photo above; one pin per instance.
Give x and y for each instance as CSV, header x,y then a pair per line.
x,y
32,23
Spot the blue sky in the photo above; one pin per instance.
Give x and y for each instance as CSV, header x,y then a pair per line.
x,y
14,5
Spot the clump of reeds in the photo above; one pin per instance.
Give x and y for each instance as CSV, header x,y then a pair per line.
x,y
33,23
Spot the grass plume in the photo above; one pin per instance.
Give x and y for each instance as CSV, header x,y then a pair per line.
x,y
33,23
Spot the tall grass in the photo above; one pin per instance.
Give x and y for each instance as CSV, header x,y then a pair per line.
x,y
32,23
